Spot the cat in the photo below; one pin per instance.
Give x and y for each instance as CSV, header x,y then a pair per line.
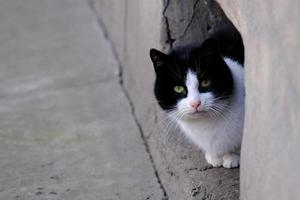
x,y
202,88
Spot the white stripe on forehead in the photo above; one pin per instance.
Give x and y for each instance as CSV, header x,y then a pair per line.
x,y
192,84
191,80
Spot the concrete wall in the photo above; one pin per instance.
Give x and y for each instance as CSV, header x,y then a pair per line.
x,y
133,27
270,151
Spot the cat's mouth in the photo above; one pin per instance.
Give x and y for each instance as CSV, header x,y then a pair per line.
x,y
197,113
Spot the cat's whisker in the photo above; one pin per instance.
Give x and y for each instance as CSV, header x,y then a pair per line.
x,y
171,119
225,108
229,120
212,115
175,117
219,114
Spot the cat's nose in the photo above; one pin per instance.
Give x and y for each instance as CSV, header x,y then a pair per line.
x,y
195,104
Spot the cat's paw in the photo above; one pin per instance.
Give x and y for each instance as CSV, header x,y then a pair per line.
x,y
214,160
231,160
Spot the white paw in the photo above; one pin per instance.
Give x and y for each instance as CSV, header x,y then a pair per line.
x,y
214,160
231,160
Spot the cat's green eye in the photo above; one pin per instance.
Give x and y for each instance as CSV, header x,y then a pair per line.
x,y
179,89
205,83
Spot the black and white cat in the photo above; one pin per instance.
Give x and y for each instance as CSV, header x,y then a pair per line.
x,y
202,88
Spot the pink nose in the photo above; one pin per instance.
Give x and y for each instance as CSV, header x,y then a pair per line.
x,y
195,104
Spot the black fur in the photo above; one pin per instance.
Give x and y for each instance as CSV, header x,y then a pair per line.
x,y
230,42
170,71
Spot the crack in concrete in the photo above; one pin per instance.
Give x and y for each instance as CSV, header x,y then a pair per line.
x,y
206,168
169,40
191,19
167,2
126,93
106,36
201,189
203,169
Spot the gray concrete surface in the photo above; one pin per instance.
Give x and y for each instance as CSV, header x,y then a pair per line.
x,y
270,150
66,127
135,26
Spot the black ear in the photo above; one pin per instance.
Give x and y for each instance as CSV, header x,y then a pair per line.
x,y
158,58
210,47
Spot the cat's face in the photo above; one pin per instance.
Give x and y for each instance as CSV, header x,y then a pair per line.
x,y
192,83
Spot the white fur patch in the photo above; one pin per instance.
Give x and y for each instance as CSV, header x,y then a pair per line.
x,y
218,137
214,160
231,160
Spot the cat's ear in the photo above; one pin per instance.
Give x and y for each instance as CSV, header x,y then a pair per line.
x,y
210,47
158,58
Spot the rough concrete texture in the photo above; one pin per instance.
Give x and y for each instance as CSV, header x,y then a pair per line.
x,y
181,168
66,127
270,150
189,22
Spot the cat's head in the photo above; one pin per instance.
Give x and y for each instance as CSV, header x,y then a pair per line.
x,y
192,82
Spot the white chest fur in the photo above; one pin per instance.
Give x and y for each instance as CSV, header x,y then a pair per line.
x,y
224,134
